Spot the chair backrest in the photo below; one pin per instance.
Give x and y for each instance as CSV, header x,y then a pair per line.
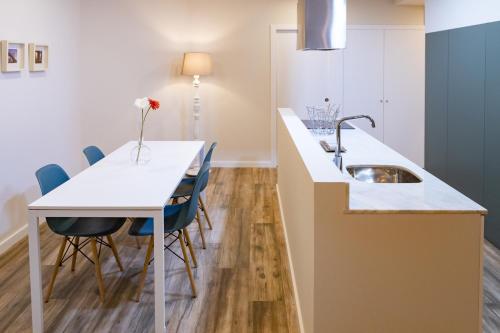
x,y
51,176
207,159
188,212
93,154
208,156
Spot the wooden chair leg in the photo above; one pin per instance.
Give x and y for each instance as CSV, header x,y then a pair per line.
x,y
186,262
190,247
56,268
75,252
149,252
202,204
202,234
97,264
115,251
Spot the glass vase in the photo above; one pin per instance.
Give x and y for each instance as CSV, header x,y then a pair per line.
x,y
141,154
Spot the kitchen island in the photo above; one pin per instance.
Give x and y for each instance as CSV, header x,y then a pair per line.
x,y
373,257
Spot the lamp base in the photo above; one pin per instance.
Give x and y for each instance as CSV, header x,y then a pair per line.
x,y
196,108
196,81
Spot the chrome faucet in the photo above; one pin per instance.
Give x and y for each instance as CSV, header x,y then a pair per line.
x,y
338,150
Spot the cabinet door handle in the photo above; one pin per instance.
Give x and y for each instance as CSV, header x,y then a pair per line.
x,y
381,101
387,101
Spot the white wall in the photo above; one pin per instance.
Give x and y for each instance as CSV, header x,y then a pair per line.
x,y
383,12
449,14
38,111
133,48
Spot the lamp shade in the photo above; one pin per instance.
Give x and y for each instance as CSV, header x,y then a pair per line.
x,y
197,63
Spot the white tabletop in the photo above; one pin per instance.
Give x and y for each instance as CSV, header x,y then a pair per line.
x,y
117,183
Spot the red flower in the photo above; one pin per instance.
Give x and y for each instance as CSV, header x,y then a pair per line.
x,y
153,104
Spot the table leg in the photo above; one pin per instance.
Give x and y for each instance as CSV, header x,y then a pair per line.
x,y
35,274
159,277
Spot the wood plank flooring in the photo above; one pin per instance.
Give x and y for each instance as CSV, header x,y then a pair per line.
x,y
243,276
491,287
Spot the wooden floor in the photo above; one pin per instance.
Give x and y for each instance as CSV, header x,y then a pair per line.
x,y
243,277
491,309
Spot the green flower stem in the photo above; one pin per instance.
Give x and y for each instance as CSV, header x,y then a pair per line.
x,y
143,120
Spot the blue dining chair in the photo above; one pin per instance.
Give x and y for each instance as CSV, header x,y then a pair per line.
x,y
94,229
93,154
208,157
176,219
185,189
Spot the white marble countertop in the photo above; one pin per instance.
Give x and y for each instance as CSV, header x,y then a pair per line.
x,y
430,196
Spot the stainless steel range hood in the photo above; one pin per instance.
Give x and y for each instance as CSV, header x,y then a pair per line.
x,y
321,24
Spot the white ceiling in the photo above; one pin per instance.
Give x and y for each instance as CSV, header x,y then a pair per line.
x,y
410,2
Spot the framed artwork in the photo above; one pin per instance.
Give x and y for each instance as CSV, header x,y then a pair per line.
x,y
12,54
39,57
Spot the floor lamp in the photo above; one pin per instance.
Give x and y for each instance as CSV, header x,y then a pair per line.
x,y
196,64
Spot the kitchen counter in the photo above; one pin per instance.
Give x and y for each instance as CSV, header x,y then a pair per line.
x,y
405,257
429,196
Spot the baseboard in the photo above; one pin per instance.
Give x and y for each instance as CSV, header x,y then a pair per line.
x,y
290,264
243,164
13,238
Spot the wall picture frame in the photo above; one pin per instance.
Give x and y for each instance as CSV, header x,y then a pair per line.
x,y
12,56
38,57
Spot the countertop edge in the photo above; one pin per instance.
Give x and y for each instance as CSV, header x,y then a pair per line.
x,y
415,212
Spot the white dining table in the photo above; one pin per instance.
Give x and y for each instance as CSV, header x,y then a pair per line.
x,y
116,187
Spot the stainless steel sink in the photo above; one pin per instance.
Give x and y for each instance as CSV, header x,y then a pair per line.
x,y
382,174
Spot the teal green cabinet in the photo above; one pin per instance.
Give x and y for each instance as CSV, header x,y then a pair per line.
x,y
465,155
462,135
436,102
492,133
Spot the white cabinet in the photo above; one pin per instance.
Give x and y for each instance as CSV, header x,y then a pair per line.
x,y
404,93
364,78
384,77
381,73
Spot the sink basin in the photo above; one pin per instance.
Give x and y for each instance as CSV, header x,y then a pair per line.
x,y
382,174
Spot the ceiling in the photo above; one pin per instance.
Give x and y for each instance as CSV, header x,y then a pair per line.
x,y
410,2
